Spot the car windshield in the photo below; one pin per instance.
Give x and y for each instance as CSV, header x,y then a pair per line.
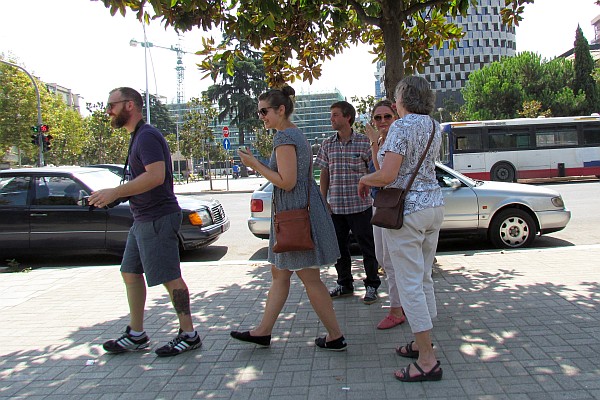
x,y
464,178
98,179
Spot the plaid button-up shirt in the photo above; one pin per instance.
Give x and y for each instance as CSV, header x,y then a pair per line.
x,y
347,163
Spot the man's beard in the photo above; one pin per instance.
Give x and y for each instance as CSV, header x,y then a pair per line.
x,y
120,119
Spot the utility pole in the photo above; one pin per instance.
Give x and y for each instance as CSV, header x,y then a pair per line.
x,y
180,87
39,113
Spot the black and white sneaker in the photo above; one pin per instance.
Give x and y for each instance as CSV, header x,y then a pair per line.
x,y
127,342
333,345
341,291
370,295
180,344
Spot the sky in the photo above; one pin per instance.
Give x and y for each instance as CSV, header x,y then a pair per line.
x,y
77,44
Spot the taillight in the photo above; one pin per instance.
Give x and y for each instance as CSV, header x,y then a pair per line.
x,y
256,205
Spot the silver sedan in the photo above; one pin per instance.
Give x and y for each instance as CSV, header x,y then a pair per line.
x,y
509,215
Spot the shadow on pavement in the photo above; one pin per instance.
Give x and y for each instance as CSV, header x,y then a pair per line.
x,y
493,335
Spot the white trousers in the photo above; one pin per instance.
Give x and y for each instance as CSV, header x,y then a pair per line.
x,y
383,258
412,250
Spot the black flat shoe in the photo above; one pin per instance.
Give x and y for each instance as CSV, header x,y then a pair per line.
x,y
264,341
333,345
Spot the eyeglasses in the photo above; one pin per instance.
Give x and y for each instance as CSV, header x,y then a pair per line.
x,y
109,106
387,117
264,111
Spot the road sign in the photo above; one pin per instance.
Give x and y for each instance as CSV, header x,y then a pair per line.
x,y
226,144
225,131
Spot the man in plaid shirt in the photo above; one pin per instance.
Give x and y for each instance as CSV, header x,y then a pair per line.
x,y
344,158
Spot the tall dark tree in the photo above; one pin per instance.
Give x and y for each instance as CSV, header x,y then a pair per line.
x,y
159,116
584,67
236,95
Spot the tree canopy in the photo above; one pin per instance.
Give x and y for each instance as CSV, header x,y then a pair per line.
x,y
507,88
297,36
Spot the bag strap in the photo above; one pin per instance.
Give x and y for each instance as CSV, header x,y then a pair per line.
x,y
414,174
308,182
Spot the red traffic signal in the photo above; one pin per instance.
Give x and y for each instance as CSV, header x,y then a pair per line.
x,y
46,145
44,128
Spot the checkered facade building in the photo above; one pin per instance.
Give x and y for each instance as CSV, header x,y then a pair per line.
x,y
486,40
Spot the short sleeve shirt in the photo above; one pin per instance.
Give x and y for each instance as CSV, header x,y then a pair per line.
x,y
408,137
149,146
347,163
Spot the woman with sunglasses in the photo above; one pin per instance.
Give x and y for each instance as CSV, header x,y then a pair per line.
x,y
290,173
382,116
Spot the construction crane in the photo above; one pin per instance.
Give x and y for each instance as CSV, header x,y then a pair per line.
x,y
179,68
180,74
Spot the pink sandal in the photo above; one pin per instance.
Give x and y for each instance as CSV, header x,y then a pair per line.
x,y
391,321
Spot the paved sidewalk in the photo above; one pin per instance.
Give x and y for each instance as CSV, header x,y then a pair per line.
x,y
512,325
221,185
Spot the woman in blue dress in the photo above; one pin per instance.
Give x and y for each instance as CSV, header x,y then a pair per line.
x,y
290,173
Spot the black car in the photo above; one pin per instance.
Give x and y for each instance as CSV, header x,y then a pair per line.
x,y
117,169
45,210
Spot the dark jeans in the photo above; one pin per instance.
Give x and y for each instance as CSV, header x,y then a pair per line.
x,y
360,225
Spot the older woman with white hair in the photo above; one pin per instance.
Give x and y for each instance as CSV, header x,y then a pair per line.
x,y
412,247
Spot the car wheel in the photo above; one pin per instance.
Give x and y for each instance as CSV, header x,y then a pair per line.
x,y
512,228
503,172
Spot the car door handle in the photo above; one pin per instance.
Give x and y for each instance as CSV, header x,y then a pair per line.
x,y
38,215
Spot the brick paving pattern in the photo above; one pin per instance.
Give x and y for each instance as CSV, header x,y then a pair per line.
x,y
511,325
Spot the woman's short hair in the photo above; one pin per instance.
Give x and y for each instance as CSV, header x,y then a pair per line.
x,y
280,97
415,94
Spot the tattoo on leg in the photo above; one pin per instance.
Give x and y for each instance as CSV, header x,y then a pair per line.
x,y
181,301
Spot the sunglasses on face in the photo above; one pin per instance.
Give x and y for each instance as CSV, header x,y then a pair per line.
x,y
387,117
109,106
264,111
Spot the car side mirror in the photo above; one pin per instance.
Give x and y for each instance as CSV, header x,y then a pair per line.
x,y
84,201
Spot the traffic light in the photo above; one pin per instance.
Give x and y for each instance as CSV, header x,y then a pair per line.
x,y
44,129
35,139
35,129
46,142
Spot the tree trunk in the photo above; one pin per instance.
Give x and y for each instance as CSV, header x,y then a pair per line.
x,y
392,35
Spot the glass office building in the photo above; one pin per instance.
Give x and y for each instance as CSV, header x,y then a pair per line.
x,y
312,114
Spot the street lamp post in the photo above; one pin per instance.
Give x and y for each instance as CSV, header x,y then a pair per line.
x,y
145,44
441,110
39,112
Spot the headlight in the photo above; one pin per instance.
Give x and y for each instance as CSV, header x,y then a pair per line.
x,y
558,202
200,218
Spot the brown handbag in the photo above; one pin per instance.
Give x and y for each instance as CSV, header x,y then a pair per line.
x,y
389,203
292,227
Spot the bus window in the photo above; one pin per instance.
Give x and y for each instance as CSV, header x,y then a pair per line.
x,y
591,135
467,140
505,138
556,136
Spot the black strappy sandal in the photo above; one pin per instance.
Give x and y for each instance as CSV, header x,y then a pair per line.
x,y
434,374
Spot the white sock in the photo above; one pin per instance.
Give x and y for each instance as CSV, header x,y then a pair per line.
x,y
190,334
136,333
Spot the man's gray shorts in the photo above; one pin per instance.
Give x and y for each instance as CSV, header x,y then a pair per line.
x,y
153,249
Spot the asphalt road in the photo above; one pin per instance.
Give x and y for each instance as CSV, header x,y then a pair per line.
x,y
238,244
581,198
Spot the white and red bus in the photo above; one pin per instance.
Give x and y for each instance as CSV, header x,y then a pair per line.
x,y
523,148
